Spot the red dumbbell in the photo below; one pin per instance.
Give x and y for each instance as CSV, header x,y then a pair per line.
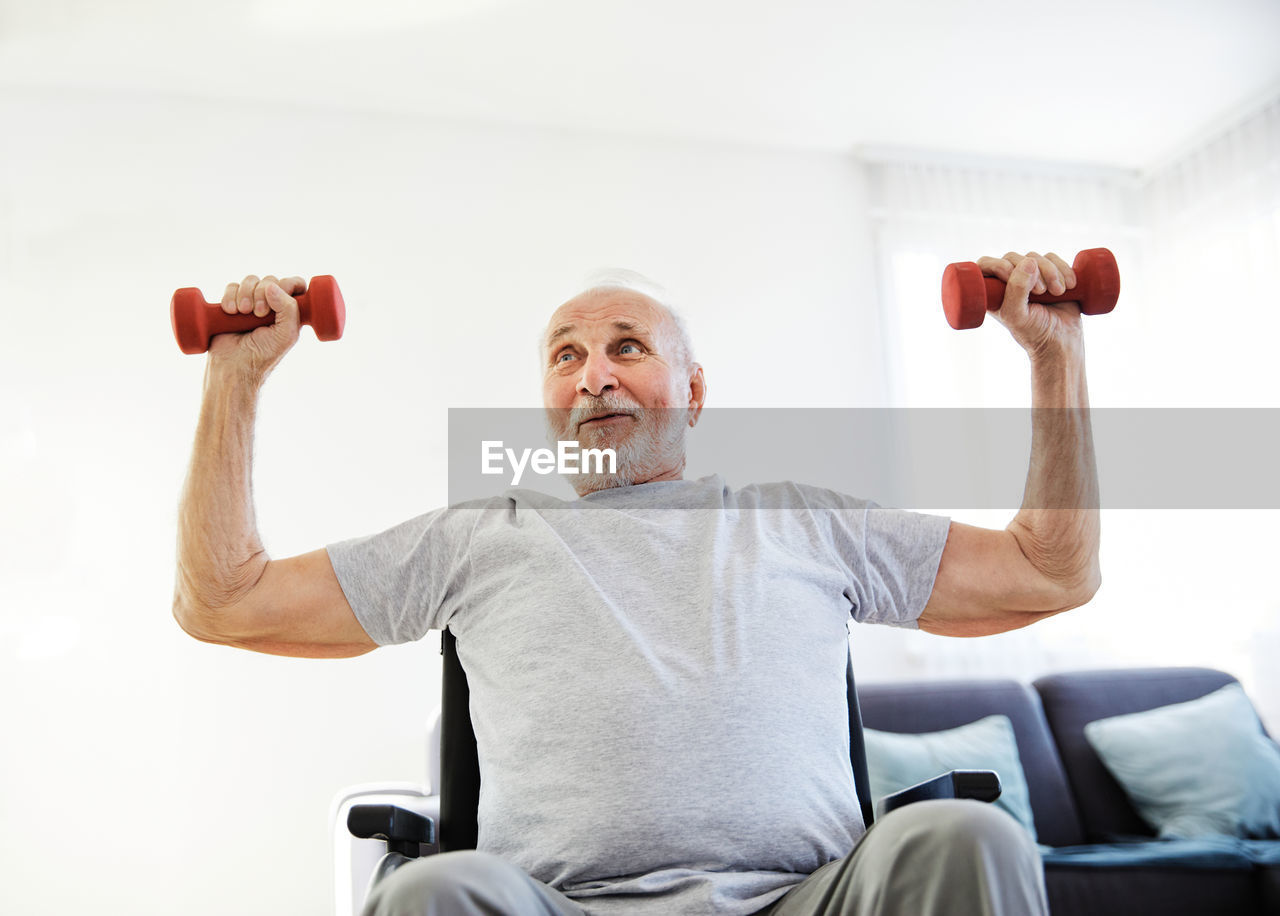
x,y
967,295
195,321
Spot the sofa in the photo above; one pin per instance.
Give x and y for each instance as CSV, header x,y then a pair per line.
x,y
1101,857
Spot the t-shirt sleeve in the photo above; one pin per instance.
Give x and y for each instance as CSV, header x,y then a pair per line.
x,y
890,556
406,580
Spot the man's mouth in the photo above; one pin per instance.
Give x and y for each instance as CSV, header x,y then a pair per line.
x,y
605,419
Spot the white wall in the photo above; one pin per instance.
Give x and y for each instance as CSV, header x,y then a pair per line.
x,y
201,774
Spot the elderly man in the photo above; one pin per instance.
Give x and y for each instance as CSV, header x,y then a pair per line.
x,y
657,670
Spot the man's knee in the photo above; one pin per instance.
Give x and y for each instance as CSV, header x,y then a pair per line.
x,y
953,824
953,849
956,840
934,857
449,883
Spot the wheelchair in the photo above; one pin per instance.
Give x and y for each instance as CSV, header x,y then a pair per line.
x,y
380,827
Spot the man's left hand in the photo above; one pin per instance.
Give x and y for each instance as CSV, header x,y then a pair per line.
x,y
1038,328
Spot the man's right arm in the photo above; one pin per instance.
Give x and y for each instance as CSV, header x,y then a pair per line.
x,y
228,590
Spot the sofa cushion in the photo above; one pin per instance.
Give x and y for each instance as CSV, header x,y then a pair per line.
x,y
938,705
1197,768
1210,875
896,761
1262,852
1202,853
1072,700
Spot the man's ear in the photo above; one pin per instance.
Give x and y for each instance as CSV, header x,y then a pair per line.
x,y
697,393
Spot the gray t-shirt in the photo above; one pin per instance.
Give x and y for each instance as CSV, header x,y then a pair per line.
x,y
657,674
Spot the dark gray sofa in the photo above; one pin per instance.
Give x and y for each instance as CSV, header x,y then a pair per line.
x,y
1105,859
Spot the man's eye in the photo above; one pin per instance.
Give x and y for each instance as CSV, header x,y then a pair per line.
x,y
563,357
628,347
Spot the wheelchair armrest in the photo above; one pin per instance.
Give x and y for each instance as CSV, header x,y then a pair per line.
x,y
982,785
404,830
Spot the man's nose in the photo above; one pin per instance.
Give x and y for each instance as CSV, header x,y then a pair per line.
x,y
597,375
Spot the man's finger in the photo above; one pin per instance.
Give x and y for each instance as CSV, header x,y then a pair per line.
x,y
277,299
285,307
999,268
1043,267
1068,275
1014,259
1051,278
1024,279
260,306
244,301
229,298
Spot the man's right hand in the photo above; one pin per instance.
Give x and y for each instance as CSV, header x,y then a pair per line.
x,y
257,352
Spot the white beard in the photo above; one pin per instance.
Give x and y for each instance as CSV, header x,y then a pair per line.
x,y
647,446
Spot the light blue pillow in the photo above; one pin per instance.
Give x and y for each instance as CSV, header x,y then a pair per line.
x,y
896,761
1195,769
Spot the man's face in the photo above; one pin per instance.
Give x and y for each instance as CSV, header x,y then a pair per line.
x,y
613,377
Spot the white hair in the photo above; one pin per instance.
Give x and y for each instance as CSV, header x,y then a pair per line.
x,y
621,278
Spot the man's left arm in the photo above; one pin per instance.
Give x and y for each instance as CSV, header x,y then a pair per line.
x,y
1046,560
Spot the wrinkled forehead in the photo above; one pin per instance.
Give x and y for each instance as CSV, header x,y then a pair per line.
x,y
604,312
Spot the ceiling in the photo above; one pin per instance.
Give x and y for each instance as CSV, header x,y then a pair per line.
x,y
1120,83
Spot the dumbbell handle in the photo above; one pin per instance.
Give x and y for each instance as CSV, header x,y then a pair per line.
x,y
967,295
196,322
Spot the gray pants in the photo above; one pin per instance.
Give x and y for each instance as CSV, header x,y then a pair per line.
x,y
935,857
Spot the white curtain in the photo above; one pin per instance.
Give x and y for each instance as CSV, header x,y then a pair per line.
x,y
1212,220
927,214
1197,237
